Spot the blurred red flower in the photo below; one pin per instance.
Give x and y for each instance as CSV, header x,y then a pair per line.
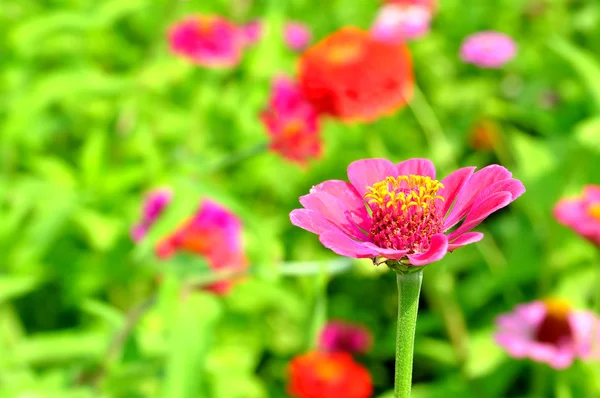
x,y
354,77
328,375
213,232
292,123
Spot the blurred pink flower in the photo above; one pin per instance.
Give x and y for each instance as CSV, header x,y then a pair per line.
x,y
582,214
213,232
207,40
430,4
155,203
548,331
292,123
488,49
252,32
296,35
410,211
396,22
339,336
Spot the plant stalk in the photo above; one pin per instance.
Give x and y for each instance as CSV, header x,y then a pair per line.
x,y
409,288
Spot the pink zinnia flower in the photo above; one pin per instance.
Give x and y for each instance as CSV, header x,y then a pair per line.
x,y
410,211
296,35
207,40
548,331
292,123
155,203
338,336
396,22
488,49
213,232
252,32
582,214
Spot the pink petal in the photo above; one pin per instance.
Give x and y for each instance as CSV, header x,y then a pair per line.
x,y
470,192
343,245
480,211
311,220
453,183
388,253
333,210
465,239
416,166
437,250
567,211
345,192
512,185
366,172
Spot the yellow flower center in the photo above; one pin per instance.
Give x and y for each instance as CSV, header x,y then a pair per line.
x,y
328,370
594,211
555,327
405,212
344,53
206,23
404,191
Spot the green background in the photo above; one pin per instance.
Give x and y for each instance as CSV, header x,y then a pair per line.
x,y
95,111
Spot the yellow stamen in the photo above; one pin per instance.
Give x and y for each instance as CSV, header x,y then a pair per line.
x,y
594,211
344,52
404,192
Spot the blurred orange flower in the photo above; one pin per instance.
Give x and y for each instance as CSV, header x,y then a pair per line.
x,y
354,77
328,375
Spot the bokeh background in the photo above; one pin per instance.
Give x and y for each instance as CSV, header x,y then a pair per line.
x,y
95,111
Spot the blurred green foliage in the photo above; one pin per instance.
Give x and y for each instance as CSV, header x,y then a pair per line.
x,y
95,111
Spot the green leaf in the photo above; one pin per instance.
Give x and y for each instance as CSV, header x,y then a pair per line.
x,y
583,62
12,286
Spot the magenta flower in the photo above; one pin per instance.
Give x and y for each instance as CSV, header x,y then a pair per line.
x,y
292,123
213,232
339,336
488,49
155,203
548,331
582,214
396,23
252,32
410,212
296,35
207,40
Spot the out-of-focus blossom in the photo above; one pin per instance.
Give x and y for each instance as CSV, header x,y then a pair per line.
x,y
252,32
485,135
214,233
395,22
429,4
548,331
296,35
207,40
338,336
488,49
328,375
354,77
155,203
292,123
582,213
411,213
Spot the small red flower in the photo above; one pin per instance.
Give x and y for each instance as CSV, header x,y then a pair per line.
x,y
215,233
328,375
354,77
292,123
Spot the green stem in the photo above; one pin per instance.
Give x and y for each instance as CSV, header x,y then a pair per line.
x,y
409,288
239,156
